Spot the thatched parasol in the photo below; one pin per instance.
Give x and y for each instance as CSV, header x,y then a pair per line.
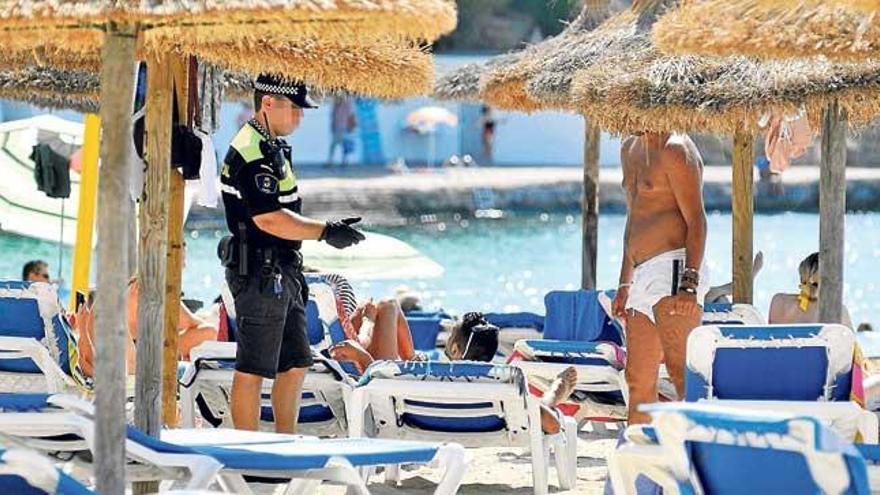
x,y
632,86
762,29
504,86
77,25
53,89
381,69
463,83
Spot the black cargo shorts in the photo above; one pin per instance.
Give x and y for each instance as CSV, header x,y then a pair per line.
x,y
272,335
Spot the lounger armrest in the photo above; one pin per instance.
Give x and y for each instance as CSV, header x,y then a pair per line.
x,y
25,347
871,453
630,461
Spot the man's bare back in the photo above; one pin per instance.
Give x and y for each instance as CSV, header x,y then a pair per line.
x,y
656,223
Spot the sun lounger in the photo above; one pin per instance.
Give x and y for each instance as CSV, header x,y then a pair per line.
x,y
770,362
477,404
35,347
732,314
308,460
705,448
207,384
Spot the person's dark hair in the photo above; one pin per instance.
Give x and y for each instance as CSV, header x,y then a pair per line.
x,y
475,338
258,100
485,109
31,267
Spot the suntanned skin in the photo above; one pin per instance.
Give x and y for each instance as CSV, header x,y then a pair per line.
x,y
662,178
280,117
785,308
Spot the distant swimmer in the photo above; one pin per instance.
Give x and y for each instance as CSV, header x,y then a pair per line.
x,y
663,277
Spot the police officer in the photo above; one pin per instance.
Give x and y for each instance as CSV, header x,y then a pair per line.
x,y
262,259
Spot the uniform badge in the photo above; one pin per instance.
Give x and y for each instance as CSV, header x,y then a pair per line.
x,y
266,183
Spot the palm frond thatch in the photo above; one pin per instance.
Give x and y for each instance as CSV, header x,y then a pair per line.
x,y
53,89
759,28
504,86
384,70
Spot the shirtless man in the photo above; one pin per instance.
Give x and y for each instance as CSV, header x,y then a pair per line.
x,y
662,276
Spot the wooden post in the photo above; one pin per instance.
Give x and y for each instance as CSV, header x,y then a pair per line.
x,y
117,92
590,205
743,215
153,244
174,268
832,211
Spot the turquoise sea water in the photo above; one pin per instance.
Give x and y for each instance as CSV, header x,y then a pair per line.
x,y
509,264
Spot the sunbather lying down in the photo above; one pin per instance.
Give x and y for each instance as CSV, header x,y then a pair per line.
x,y
474,339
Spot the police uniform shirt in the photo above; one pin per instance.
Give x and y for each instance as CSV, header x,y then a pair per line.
x,y
251,186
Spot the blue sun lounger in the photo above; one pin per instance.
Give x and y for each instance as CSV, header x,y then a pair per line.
x,y
24,472
35,345
477,404
704,448
770,362
226,455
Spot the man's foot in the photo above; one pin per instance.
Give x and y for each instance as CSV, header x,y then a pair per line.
x,y
351,351
561,387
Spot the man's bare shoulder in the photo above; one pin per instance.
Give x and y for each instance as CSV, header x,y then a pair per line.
x,y
681,150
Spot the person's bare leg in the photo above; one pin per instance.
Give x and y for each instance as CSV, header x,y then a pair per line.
x,y
350,350
643,355
673,331
558,391
286,394
405,347
192,337
383,344
245,400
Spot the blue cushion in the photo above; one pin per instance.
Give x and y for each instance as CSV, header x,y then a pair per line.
x,y
475,424
10,483
15,402
313,322
769,374
424,330
577,315
516,320
21,318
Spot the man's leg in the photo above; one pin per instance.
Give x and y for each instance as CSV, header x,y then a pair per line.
x,y
286,394
673,331
643,355
246,400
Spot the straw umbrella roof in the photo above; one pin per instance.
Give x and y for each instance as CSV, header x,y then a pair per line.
x,y
54,89
382,69
633,86
765,29
73,29
463,83
504,86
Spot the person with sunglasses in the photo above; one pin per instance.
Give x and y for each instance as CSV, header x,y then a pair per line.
x,y
802,307
35,271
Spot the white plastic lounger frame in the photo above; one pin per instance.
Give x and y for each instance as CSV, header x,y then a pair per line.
x,y
744,314
385,391
663,457
76,419
215,384
839,341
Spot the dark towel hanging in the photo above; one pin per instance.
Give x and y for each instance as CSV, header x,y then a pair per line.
x,y
51,171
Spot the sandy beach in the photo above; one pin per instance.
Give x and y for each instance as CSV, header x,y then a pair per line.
x,y
494,471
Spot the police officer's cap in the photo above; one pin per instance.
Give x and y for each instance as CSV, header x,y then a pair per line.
x,y
295,91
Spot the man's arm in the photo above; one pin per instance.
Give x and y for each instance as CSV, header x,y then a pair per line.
x,y
626,265
686,179
288,225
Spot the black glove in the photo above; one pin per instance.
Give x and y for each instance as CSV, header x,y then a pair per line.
x,y
340,234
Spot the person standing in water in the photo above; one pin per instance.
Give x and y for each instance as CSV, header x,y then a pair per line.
x,y
663,279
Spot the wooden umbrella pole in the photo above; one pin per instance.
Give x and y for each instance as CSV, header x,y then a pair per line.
x,y
743,217
590,205
174,268
117,90
153,244
832,210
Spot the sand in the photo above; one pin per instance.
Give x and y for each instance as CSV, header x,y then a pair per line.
x,y
494,471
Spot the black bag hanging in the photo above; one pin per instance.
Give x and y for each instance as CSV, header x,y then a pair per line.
x,y
186,147
51,171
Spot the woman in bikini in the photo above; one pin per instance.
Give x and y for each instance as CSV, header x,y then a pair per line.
x,y
802,307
